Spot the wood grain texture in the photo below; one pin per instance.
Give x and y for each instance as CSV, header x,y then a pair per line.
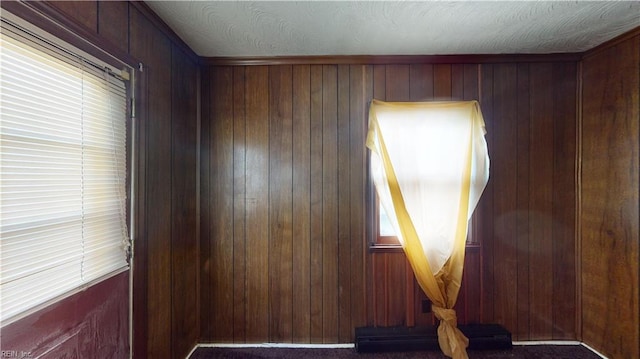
x,y
564,209
609,200
329,204
280,203
315,196
257,203
239,206
301,220
503,172
83,12
316,115
357,163
345,330
522,201
113,23
184,238
221,183
540,201
149,45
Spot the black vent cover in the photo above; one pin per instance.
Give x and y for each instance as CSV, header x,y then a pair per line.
x,y
381,339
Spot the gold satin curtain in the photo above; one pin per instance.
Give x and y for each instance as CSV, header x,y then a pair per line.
x,y
430,164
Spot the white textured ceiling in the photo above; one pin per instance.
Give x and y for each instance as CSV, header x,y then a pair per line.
x,y
298,28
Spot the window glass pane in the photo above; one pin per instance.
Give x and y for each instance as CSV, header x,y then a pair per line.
x,y
384,224
62,174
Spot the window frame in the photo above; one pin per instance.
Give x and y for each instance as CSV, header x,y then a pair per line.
x,y
52,33
377,243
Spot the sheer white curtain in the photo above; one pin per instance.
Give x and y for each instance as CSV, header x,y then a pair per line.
x,y
430,165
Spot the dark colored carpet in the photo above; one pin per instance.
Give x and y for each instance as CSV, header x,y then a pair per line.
x,y
520,352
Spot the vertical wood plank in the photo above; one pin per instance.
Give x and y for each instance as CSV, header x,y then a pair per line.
x,y
345,268
442,82
473,294
221,185
83,12
540,201
398,88
522,199
379,277
378,260
205,209
301,330
470,86
316,196
113,22
280,203
457,82
396,289
421,76
150,46
609,218
564,199
329,204
357,164
184,240
368,257
257,205
397,83
504,200
485,225
239,205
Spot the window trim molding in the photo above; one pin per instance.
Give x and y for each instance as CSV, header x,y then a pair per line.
x,y
60,34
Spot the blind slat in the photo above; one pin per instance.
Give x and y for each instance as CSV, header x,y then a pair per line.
x,y
63,172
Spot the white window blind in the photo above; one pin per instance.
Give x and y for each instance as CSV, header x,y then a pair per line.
x,y
63,173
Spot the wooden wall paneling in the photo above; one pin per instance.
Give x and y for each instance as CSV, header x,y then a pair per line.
x,y
471,296
301,142
472,289
280,203
396,289
485,225
421,78
522,201
84,12
345,269
540,201
397,83
609,200
239,205
370,285
113,22
470,82
206,210
504,166
379,260
151,47
316,199
221,220
140,240
357,128
257,206
564,199
442,82
329,204
184,240
457,94
457,82
379,82
421,89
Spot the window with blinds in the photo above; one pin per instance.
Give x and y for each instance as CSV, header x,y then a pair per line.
x,y
63,135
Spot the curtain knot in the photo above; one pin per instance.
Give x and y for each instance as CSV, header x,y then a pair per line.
x,y
452,342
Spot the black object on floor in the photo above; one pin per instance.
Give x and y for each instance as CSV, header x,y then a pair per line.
x,y
382,339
